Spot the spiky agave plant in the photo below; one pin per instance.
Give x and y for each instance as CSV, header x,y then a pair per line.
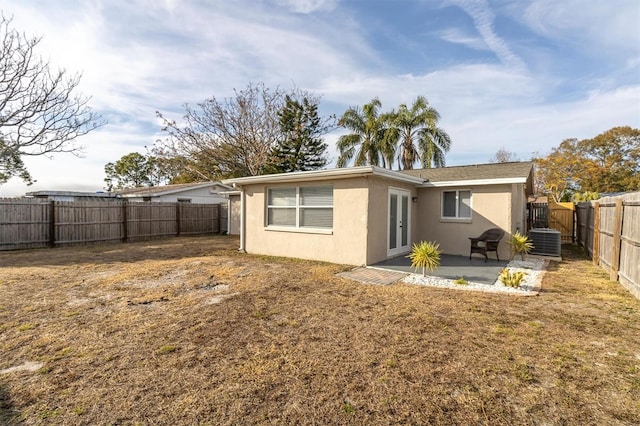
x,y
520,244
425,255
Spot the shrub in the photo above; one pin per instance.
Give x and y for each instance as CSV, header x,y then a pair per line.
x,y
511,279
461,281
520,244
425,255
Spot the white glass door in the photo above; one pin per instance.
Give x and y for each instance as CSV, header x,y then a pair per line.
x,y
398,230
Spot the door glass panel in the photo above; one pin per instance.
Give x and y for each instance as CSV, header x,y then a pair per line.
x,y
405,221
393,221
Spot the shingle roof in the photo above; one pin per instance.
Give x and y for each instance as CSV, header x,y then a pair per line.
x,y
474,172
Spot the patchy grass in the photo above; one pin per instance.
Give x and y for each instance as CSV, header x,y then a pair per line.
x,y
188,330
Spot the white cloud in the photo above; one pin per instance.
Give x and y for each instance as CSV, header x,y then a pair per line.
x,y
594,25
483,18
309,6
457,36
141,56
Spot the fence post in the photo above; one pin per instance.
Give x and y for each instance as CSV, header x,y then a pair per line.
x,y
125,221
595,244
177,219
52,223
617,233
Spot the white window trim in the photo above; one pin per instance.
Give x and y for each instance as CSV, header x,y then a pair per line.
x,y
298,207
457,218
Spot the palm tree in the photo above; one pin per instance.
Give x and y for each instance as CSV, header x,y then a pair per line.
x,y
419,135
372,141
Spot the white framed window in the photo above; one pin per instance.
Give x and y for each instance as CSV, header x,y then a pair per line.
x,y
456,204
300,207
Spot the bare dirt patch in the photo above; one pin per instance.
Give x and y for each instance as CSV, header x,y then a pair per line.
x,y
187,331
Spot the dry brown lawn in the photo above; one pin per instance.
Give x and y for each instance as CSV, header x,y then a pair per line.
x,y
187,330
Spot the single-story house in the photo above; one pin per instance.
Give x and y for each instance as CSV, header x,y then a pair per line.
x,y
364,215
196,193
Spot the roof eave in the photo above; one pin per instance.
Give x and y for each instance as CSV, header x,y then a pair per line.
x,y
473,182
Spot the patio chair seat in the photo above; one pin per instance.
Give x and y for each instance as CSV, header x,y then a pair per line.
x,y
486,242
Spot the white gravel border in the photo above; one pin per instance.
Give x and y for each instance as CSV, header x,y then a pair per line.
x,y
533,269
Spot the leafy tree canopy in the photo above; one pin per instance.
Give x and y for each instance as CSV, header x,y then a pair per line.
x,y
411,133
300,147
609,162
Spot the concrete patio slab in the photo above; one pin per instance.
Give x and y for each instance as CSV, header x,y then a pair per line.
x,y
452,267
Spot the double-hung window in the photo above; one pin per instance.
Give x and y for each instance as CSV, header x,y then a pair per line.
x,y
456,204
300,207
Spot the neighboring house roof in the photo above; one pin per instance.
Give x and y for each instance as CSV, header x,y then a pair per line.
x,y
45,194
341,173
156,191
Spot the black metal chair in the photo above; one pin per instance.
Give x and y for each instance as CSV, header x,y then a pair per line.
x,y
486,242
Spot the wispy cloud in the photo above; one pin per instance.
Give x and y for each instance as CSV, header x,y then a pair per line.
x,y
309,6
483,18
457,36
140,56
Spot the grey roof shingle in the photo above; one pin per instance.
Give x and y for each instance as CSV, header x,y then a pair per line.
x,y
474,172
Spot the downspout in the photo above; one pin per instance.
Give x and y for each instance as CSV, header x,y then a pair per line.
x,y
242,219
228,215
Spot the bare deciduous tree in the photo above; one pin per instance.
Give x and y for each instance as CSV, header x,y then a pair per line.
x,y
235,135
40,112
503,156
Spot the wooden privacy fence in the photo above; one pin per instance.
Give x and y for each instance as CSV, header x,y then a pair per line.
x,y
31,223
558,216
609,231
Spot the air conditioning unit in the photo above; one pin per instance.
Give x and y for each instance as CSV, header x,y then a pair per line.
x,y
546,241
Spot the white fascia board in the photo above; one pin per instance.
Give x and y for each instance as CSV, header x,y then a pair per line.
x,y
316,175
402,177
473,182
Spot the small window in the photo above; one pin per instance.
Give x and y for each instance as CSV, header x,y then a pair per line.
x,y
146,199
300,207
184,200
456,204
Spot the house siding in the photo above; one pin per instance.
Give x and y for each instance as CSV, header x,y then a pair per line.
x,y
197,196
491,208
347,244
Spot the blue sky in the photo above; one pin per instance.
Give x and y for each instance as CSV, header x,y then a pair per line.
x,y
522,75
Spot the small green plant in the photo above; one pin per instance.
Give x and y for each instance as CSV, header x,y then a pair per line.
x,y
511,279
461,281
425,255
25,327
348,407
520,244
167,349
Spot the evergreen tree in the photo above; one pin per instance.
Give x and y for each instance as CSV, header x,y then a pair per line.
x,y
301,147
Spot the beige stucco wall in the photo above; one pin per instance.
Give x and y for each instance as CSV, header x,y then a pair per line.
x,y
491,208
379,217
347,244
360,221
